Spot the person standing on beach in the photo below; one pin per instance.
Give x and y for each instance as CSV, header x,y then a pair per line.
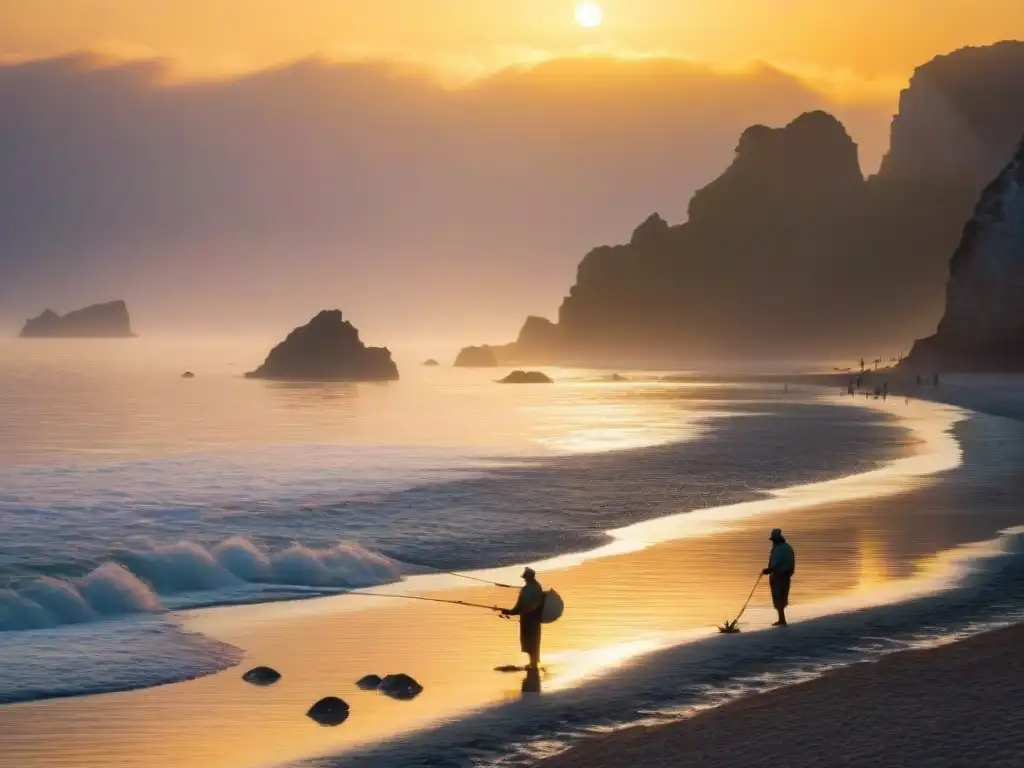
x,y
529,608
781,565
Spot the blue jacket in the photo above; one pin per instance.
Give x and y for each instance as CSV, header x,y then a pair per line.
x,y
782,559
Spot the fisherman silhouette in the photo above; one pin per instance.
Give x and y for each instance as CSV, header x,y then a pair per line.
x,y
529,608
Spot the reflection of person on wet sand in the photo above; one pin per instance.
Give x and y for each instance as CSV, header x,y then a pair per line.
x,y
531,683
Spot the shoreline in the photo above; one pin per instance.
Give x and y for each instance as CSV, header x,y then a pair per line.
x,y
957,704
320,650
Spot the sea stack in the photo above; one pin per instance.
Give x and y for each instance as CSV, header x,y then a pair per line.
x,y
982,328
327,348
97,321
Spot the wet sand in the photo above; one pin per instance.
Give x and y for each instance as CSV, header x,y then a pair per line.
x,y
958,705
881,546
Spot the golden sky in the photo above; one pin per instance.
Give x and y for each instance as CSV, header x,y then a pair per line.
x,y
146,184
871,44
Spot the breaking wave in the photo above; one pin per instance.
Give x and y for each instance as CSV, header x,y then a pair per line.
x,y
141,580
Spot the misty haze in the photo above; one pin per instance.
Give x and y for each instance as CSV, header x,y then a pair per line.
x,y
461,383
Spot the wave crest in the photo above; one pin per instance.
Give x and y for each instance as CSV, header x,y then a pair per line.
x,y
136,578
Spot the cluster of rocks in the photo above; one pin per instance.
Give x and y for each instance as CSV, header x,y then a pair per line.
x,y
331,710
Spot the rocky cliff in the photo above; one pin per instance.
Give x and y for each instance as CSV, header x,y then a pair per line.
x,y
327,348
729,281
982,329
960,116
791,253
97,321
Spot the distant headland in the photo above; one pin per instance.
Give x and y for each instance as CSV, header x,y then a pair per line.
x,y
791,254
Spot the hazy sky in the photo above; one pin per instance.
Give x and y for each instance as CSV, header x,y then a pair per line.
x,y
863,38
277,162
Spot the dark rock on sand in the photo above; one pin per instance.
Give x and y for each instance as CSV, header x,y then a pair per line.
x,y
329,711
400,686
326,349
369,683
188,375
98,321
262,676
476,357
982,329
526,377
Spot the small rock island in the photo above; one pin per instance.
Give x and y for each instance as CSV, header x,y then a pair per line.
x,y
526,377
97,321
431,363
327,348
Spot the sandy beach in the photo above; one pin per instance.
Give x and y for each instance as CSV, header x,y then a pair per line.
x,y
957,705
884,537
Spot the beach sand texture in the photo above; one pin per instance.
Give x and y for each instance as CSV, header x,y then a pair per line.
x,y
881,547
957,706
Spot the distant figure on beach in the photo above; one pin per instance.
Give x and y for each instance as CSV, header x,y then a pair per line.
x,y
918,379
935,380
885,390
781,565
529,608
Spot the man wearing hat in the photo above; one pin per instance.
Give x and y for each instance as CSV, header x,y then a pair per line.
x,y
529,608
781,565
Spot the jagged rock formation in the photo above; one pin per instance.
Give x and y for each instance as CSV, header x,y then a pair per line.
x,y
791,253
327,348
476,357
527,377
811,157
982,329
98,321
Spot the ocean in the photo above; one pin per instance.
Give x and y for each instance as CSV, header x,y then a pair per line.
x,y
130,497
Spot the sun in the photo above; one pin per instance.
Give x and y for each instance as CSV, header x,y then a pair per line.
x,y
589,15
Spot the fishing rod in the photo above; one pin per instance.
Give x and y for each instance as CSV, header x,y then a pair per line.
x,y
342,591
428,599
460,575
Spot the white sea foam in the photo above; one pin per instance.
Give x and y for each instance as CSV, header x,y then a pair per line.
x,y
148,575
